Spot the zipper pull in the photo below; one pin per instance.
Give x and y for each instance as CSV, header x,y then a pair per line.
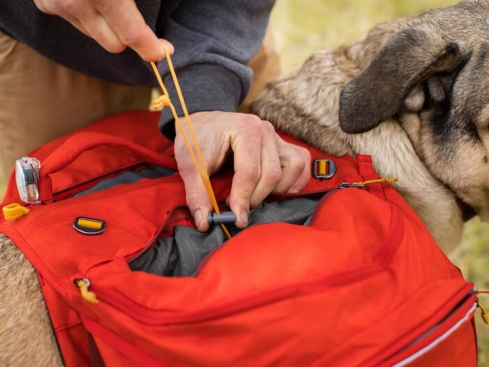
x,y
387,180
83,285
484,313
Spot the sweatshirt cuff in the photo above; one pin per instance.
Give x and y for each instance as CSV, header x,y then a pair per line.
x,y
205,87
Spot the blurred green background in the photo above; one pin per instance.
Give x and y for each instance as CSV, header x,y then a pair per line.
x,y
304,26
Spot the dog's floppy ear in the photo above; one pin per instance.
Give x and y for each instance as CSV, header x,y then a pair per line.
x,y
377,93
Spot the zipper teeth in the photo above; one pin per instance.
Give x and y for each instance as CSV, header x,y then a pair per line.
x,y
134,166
99,177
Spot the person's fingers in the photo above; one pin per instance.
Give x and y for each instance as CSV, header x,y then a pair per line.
x,y
270,166
115,25
128,24
246,145
49,7
168,46
101,31
296,166
197,198
77,24
57,8
256,167
88,19
211,128
115,40
263,163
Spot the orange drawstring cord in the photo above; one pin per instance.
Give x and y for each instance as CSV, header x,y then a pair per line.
x,y
88,296
388,180
196,156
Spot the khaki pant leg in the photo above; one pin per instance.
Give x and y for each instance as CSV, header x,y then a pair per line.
x,y
41,100
266,67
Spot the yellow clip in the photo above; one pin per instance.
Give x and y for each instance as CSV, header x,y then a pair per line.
x,y
14,211
484,313
88,296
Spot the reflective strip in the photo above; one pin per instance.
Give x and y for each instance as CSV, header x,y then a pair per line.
x,y
439,340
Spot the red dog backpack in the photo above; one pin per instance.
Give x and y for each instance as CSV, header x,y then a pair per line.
x,y
342,274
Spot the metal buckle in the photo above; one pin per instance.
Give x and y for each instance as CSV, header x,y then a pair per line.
x,y
323,168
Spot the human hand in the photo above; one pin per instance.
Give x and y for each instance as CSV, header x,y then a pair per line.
x,y
114,24
263,162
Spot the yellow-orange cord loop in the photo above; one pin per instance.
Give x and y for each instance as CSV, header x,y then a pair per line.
x,y
388,180
484,313
164,100
88,296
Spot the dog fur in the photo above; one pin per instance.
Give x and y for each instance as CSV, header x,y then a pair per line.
x,y
413,94
27,335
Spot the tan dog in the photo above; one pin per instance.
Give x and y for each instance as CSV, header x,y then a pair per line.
x,y
27,338
414,94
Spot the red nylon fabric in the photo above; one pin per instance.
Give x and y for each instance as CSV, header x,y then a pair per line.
x,y
354,288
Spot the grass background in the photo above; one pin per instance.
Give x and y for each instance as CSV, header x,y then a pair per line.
x,y
305,26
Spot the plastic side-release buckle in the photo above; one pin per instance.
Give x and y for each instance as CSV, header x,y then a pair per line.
x,y
323,168
26,177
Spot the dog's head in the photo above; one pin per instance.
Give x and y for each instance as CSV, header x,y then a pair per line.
x,y
433,76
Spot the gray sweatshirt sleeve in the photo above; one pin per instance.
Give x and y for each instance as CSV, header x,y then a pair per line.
x,y
214,41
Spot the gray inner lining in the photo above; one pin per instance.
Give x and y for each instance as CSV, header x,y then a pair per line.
x,y
181,255
128,178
